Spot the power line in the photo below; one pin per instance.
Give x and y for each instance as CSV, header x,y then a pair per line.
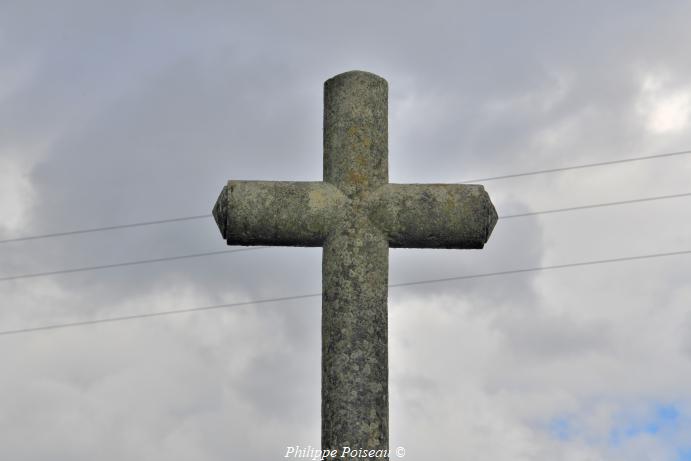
x,y
597,205
577,167
128,263
155,314
212,253
206,216
107,228
314,295
543,268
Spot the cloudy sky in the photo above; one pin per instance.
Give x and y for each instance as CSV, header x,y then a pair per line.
x,y
121,112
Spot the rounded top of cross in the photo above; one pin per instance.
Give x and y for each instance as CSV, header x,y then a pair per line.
x,y
357,74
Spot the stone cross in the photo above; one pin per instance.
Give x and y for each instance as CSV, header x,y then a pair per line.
x,y
356,215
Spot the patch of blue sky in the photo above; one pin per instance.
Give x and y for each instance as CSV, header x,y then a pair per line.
x,y
561,428
662,421
666,423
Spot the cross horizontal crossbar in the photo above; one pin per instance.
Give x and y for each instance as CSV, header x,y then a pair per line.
x,y
305,213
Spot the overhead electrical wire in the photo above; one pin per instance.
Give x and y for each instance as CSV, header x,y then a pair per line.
x,y
314,295
597,205
126,263
583,165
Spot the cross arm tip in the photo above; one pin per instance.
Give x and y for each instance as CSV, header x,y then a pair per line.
x,y
492,217
220,211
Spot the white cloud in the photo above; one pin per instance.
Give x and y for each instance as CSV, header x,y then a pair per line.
x,y
666,110
16,193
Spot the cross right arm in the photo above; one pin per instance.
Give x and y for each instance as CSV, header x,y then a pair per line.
x,y
433,215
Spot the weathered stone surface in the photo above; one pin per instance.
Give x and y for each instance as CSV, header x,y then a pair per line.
x,y
356,152
355,410
433,215
355,265
278,212
356,216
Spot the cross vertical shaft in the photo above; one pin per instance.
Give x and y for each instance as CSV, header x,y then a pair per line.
x,y
355,402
